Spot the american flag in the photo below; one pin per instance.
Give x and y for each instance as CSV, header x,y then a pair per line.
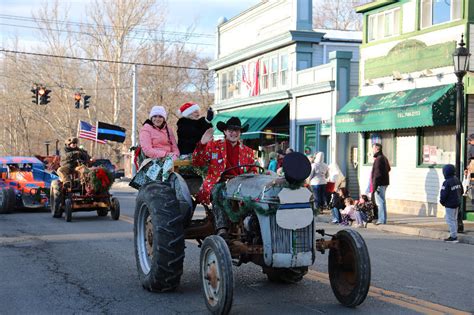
x,y
87,131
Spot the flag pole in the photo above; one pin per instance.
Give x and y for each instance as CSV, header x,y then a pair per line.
x,y
134,116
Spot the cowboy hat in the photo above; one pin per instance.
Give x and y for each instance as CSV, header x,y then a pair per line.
x,y
232,123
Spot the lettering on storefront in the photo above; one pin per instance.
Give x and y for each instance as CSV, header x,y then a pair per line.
x,y
409,114
345,120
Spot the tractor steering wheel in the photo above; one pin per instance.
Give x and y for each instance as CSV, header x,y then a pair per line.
x,y
223,176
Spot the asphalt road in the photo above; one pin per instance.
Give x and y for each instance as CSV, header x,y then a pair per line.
x,y
49,266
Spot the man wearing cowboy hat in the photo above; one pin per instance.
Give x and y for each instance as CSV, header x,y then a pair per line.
x,y
73,157
220,155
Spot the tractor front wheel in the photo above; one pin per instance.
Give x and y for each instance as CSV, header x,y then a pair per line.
x,y
216,275
349,268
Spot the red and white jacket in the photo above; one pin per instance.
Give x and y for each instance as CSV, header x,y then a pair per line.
x,y
214,155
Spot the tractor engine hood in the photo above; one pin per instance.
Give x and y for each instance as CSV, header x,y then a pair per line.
x,y
260,188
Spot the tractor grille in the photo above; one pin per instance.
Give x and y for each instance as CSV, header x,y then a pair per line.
x,y
289,241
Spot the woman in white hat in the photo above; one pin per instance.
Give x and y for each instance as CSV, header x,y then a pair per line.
x,y
157,139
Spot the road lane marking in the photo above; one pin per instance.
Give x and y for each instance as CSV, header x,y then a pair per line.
x,y
126,218
65,237
396,298
391,297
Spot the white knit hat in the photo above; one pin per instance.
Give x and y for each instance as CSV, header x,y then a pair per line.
x,y
158,111
187,109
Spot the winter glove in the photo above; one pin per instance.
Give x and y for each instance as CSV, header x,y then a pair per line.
x,y
210,114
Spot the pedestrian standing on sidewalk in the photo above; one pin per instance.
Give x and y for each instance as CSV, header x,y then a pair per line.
x,y
380,181
318,180
450,197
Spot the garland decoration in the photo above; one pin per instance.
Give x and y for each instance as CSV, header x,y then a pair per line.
x,y
246,205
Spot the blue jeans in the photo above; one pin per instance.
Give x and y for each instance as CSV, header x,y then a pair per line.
x,y
452,221
319,192
336,215
380,202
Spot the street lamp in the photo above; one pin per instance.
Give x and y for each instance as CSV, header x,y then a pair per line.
x,y
461,64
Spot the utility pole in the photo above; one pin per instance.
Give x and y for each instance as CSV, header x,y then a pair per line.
x,y
134,115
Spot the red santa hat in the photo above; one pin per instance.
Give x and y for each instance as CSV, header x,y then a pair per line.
x,y
187,109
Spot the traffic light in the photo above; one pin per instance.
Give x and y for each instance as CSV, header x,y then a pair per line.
x,y
86,101
43,94
77,98
34,98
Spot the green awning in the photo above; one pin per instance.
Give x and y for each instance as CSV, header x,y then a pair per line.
x,y
257,117
430,106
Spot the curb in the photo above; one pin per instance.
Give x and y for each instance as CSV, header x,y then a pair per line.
x,y
408,230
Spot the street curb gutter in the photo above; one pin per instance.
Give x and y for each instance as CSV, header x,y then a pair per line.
x,y
409,230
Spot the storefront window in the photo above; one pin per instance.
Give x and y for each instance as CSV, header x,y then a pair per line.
x,y
437,145
223,86
264,75
309,139
385,24
388,141
436,12
274,74
283,69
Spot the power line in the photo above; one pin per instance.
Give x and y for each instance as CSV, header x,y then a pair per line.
x,y
30,19
102,60
89,34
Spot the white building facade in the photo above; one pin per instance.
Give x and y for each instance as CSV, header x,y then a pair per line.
x,y
407,97
287,80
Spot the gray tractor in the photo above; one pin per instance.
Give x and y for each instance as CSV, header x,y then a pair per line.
x,y
272,224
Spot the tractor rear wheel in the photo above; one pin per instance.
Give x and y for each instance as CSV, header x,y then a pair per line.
x,y
158,237
115,209
55,199
68,210
349,268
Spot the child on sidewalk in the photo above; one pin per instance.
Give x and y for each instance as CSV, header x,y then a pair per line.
x,y
348,214
336,203
450,197
364,211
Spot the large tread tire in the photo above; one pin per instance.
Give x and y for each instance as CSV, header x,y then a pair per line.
x,y
7,200
158,237
115,209
216,275
285,275
55,199
349,268
68,210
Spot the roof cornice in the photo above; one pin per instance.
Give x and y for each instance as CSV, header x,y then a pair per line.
x,y
273,43
373,5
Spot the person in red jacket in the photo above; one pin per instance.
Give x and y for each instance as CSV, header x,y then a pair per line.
x,y
220,155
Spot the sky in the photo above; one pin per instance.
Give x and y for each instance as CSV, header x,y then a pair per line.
x,y
203,14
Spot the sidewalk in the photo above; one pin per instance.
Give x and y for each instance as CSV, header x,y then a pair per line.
x,y
429,227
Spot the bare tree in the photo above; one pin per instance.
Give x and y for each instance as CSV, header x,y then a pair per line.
x,y
337,14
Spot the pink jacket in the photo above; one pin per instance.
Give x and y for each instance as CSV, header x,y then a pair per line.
x,y
155,144
349,211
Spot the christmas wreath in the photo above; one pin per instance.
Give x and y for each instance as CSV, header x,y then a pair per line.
x,y
99,180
